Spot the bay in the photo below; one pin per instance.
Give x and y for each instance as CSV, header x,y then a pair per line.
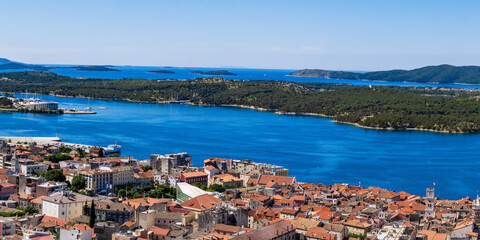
x,y
313,148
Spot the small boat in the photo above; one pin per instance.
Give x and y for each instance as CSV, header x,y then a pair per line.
x,y
113,148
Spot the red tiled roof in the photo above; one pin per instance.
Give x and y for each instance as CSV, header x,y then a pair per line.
x,y
159,231
202,202
265,179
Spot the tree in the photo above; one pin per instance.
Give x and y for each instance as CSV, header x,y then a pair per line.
x,y
199,185
122,193
81,153
114,155
217,188
85,209
146,168
64,149
91,220
30,210
78,182
55,175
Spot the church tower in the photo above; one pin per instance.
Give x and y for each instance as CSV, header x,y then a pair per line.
x,y
476,210
15,167
430,206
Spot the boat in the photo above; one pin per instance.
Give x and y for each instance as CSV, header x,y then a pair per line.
x,y
113,148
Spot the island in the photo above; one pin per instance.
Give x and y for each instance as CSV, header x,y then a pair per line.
x,y
162,71
6,64
392,108
96,69
215,73
430,74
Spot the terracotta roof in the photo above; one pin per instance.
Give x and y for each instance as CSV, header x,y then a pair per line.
x,y
148,201
264,179
289,211
357,224
202,202
227,228
81,227
319,233
38,200
159,231
268,232
58,221
194,174
213,236
432,235
209,167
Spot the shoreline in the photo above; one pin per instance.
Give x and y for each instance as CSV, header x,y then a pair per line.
x,y
269,110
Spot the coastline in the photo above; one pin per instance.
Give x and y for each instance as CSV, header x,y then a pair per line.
x,y
270,110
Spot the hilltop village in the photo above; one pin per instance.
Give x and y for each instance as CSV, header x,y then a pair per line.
x,y
51,191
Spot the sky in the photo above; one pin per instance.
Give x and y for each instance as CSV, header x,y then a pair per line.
x,y
334,35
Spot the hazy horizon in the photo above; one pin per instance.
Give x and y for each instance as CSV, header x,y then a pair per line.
x,y
354,36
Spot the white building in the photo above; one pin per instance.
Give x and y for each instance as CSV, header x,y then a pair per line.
x,y
30,169
37,104
65,204
122,176
7,227
97,180
74,233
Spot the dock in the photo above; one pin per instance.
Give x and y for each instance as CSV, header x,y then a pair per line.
x,y
39,140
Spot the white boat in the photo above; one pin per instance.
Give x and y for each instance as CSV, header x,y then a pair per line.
x,y
113,148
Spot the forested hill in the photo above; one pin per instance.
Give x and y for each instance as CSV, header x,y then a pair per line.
x,y
437,74
377,107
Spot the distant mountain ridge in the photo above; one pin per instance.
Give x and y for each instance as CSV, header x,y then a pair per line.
x,y
430,74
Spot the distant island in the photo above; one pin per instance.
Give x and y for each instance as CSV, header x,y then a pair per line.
x,y
162,71
430,74
215,73
6,64
96,69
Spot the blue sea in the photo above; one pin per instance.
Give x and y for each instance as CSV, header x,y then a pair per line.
x,y
182,73
313,148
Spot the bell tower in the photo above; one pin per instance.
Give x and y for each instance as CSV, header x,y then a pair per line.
x,y
430,205
476,210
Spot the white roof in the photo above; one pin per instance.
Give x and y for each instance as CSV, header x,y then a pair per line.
x,y
190,190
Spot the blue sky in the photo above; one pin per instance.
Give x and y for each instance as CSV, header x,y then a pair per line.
x,y
338,35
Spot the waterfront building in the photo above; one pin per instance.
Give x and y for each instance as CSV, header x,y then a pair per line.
x,y
37,104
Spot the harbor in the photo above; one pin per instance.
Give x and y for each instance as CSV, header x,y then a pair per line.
x,y
56,141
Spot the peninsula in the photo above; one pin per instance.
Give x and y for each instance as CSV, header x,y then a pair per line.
x,y
96,69
429,74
